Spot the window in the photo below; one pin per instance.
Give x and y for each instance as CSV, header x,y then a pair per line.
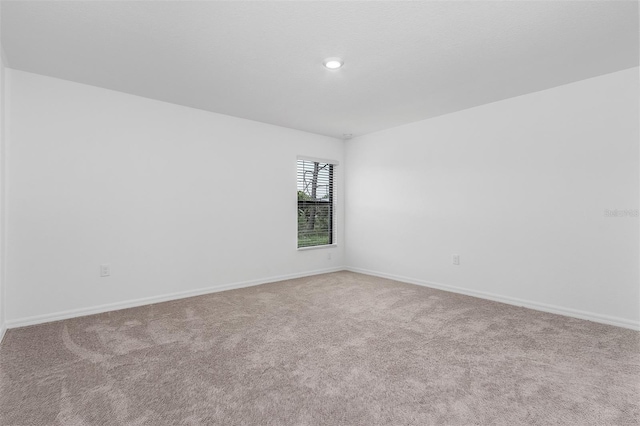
x,y
315,203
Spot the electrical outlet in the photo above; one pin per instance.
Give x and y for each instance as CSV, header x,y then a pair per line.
x,y
455,259
329,256
105,270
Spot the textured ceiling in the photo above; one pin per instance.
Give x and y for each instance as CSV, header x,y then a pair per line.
x,y
404,61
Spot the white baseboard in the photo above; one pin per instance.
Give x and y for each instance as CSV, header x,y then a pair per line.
x,y
73,313
569,312
3,330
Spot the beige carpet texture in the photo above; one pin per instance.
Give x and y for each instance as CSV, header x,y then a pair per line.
x,y
334,349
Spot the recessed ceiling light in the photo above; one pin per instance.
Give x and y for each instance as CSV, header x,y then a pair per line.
x,y
333,63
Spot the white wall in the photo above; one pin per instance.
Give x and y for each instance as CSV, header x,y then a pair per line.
x,y
2,193
174,199
167,196
518,189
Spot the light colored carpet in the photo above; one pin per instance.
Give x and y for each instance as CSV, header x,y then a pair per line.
x,y
335,349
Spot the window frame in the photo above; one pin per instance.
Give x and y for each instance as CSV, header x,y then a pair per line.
x,y
332,203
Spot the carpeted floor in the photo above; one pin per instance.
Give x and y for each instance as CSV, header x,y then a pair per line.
x,y
335,349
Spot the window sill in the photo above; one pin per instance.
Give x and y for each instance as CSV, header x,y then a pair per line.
x,y
317,247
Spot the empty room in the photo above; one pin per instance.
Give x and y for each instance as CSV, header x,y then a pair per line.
x,y
319,213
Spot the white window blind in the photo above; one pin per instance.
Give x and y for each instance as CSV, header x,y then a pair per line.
x,y
315,203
